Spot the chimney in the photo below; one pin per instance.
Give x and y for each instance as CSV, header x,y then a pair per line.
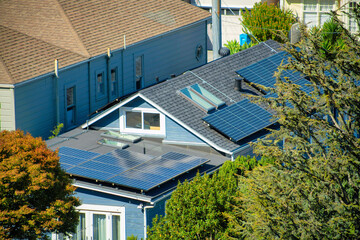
x,y
216,27
238,83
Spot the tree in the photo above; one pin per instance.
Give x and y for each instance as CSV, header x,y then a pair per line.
x,y
36,196
197,209
267,22
313,189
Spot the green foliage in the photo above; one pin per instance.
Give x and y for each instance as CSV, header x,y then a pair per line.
x,y
267,22
36,196
312,191
132,237
197,208
234,46
56,130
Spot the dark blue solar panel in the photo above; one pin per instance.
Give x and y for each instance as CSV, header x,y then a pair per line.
x,y
130,169
90,173
71,160
240,120
262,72
73,152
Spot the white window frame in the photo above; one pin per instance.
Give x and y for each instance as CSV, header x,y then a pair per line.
x,y
317,11
89,210
142,131
347,19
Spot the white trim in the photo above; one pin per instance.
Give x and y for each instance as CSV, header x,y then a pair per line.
x,y
185,143
142,131
110,110
111,191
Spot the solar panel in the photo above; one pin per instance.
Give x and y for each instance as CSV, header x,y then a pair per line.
x,y
262,72
130,169
73,152
240,120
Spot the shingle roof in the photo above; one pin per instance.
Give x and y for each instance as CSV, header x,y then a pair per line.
x,y
218,78
34,33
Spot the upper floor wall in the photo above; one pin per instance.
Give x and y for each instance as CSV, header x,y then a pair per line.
x,y
81,89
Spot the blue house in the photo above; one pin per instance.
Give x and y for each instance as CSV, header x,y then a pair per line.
x,y
127,160
60,61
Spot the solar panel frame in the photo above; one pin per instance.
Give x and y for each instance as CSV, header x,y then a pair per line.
x,y
240,120
73,152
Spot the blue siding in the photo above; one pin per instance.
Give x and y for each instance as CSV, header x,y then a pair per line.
x,y
111,121
35,110
159,209
175,132
173,53
138,102
134,217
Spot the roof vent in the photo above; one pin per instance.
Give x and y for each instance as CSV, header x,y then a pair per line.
x,y
224,51
238,82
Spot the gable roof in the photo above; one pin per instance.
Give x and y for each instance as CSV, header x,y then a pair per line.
x,y
217,77
34,33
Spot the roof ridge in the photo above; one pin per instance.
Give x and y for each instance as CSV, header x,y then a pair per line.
x,y
6,70
72,29
39,39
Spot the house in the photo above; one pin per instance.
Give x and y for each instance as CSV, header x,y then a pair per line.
x,y
315,12
60,61
231,10
127,160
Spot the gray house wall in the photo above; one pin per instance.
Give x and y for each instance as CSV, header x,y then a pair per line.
x,y
173,53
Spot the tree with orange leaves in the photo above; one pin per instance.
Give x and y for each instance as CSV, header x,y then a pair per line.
x,y
36,196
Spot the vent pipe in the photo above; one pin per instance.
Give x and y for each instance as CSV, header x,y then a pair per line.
x,y
238,84
224,51
216,27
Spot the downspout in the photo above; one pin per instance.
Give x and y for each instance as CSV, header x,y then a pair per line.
x,y
57,100
89,82
145,222
108,73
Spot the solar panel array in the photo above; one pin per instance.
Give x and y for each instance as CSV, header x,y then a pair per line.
x,y
262,72
130,169
240,120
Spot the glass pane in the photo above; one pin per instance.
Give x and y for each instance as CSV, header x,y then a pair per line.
x,y
310,19
310,5
80,229
326,5
138,66
113,86
99,227
70,96
133,120
100,84
115,227
152,121
323,18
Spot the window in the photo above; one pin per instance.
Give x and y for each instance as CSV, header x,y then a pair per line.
x,y
98,222
142,121
315,11
113,83
70,106
139,71
100,84
352,22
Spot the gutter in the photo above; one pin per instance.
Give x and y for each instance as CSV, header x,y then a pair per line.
x,y
3,85
105,54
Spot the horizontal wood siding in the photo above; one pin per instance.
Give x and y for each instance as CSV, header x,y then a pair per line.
x,y
159,210
7,111
35,107
111,121
134,216
169,54
139,103
175,132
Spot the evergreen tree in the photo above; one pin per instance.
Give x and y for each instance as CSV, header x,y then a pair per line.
x,y
313,189
198,209
267,22
35,193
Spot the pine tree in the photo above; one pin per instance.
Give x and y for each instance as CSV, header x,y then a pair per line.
x,y
313,190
